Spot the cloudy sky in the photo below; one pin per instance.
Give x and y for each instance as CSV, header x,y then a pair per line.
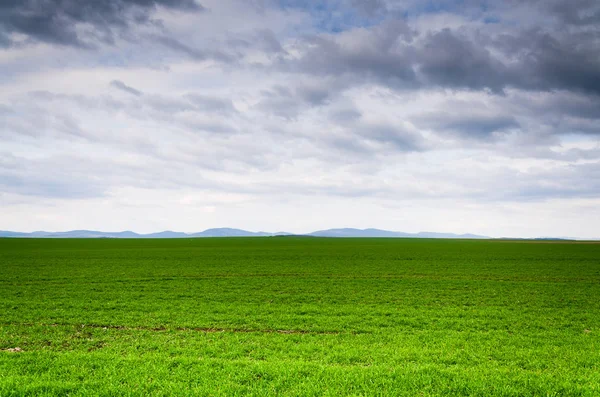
x,y
448,116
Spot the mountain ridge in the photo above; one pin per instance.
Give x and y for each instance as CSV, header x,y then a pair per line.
x,y
232,232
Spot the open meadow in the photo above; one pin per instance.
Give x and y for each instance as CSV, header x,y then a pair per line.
x,y
299,316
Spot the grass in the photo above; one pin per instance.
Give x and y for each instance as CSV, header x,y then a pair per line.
x,y
299,316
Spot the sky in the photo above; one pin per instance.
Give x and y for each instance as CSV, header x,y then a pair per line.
x,y
447,116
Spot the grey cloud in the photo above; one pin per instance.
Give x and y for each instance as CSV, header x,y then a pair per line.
x,y
394,55
556,113
370,7
579,126
493,183
540,60
192,112
391,57
162,104
569,181
466,123
210,126
398,137
79,23
579,106
200,140
64,118
194,53
573,12
289,102
578,154
556,153
269,41
58,178
5,109
314,95
449,59
347,144
5,41
366,140
211,104
80,100
285,107
53,178
124,87
382,53
344,115
260,39
156,102
93,175
15,125
577,12
48,188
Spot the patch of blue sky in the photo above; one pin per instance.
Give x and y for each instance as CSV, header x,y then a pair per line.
x,y
467,8
333,16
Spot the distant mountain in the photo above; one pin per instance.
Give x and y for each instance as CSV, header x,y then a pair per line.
x,y
6,233
348,232
218,232
230,232
447,235
165,234
73,234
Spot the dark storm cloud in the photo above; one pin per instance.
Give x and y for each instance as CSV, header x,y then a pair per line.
x,y
449,59
533,56
381,54
390,55
79,23
124,87
547,62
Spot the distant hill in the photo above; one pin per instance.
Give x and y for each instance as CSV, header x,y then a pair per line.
x,y
165,234
217,232
448,235
5,233
230,232
348,232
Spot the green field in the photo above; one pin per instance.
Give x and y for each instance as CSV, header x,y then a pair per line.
x,y
299,316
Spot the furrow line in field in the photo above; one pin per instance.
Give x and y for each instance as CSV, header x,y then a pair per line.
x,y
162,329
